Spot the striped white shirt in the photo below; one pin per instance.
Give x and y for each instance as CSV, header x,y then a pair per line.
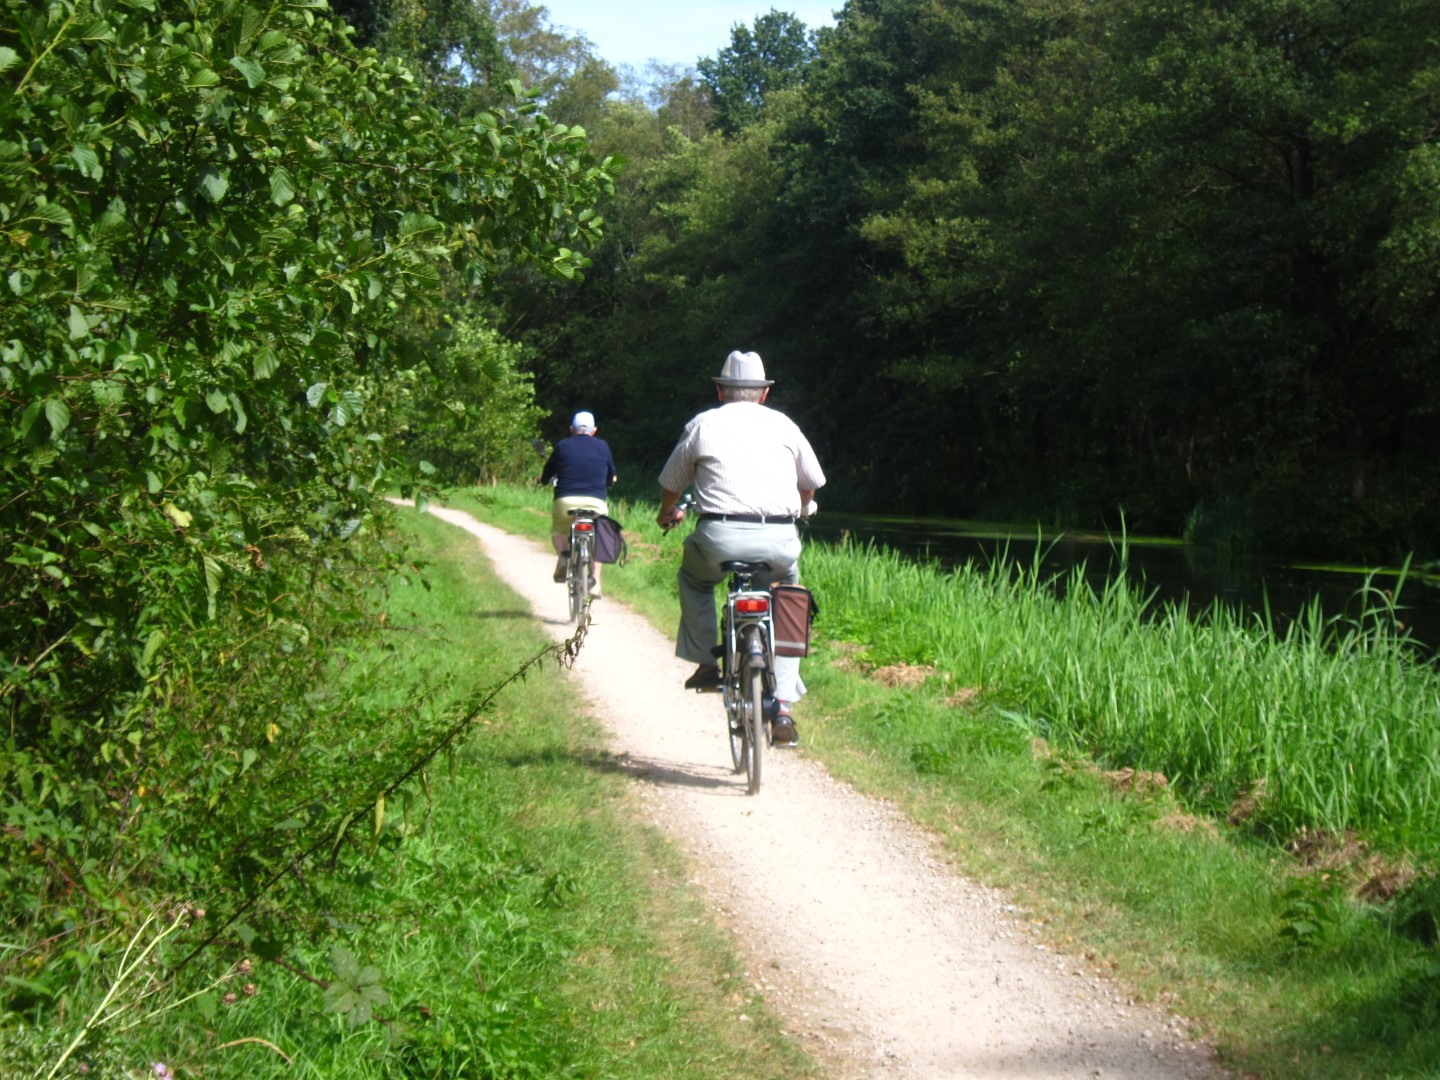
x,y
743,458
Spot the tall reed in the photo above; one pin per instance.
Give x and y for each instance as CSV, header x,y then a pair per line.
x,y
1329,725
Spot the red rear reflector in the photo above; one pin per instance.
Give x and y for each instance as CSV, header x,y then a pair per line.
x,y
756,606
584,526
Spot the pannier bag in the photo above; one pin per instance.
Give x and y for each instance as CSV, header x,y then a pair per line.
x,y
610,546
792,609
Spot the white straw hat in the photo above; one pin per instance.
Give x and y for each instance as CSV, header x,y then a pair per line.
x,y
743,369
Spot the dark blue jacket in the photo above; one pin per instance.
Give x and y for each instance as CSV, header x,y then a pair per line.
x,y
580,465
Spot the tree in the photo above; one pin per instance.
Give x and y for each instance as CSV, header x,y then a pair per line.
x,y
451,45
470,411
742,76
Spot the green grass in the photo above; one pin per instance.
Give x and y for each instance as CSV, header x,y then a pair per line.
x,y
520,920
1021,703
1337,722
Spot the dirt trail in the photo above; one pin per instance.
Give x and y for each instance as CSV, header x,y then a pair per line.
x,y
879,957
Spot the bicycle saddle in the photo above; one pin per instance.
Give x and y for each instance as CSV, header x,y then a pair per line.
x,y
735,566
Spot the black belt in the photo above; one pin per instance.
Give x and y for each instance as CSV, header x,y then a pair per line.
x,y
749,519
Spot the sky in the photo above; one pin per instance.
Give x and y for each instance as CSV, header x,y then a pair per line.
x,y
672,31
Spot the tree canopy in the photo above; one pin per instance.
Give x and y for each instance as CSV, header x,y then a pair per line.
x,y
756,64
1058,258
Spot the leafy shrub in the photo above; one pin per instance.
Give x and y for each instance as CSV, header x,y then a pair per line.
x,y
471,411
217,216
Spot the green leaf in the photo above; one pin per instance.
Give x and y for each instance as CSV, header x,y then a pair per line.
x,y
79,327
29,416
110,224
58,413
242,419
213,184
252,70
217,401
54,215
152,646
201,79
88,160
214,575
413,224
344,964
266,363
282,187
8,58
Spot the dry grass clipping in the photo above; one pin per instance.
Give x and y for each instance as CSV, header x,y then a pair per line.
x,y
1249,802
902,675
1186,824
1136,781
1369,876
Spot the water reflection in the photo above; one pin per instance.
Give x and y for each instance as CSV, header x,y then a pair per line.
x,y
1174,571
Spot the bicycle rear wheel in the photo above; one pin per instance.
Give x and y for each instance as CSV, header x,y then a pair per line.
x,y
577,577
752,681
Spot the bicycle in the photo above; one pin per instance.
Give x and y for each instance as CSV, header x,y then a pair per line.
x,y
580,565
747,670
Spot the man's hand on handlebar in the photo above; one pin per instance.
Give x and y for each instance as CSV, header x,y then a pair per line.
x,y
668,519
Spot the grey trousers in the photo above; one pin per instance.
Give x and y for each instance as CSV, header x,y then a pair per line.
x,y
715,542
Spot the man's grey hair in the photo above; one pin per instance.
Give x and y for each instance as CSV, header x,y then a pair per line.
x,y
742,393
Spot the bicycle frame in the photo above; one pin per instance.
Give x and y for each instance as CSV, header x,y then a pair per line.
x,y
747,664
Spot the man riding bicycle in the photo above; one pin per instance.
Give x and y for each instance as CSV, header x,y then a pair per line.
x,y
754,475
583,470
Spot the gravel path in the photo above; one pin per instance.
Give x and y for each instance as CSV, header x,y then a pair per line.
x,y
878,956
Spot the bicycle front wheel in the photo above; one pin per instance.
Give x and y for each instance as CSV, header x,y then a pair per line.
x,y
735,707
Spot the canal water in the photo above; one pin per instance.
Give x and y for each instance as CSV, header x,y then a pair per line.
x,y
1175,572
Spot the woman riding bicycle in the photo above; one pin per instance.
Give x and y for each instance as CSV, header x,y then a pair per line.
x,y
583,470
754,475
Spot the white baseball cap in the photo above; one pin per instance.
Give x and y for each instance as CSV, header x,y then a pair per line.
x,y
583,422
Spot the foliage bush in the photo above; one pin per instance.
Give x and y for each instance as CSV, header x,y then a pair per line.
x,y
471,414
218,218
